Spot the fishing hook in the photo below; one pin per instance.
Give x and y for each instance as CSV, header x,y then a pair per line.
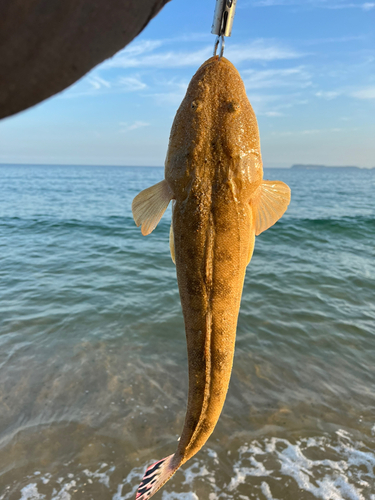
x,y
222,23
222,45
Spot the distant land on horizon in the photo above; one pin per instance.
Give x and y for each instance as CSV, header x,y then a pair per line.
x,y
296,166
299,166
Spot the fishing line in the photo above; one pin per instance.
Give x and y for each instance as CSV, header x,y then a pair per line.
x,y
222,23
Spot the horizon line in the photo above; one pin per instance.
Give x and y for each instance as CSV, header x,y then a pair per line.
x,y
294,165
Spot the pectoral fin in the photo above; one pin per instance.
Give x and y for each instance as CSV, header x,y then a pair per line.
x,y
149,206
268,203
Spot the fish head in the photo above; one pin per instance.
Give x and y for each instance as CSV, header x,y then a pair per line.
x,y
215,133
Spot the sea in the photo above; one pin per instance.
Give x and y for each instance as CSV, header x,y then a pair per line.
x,y
93,362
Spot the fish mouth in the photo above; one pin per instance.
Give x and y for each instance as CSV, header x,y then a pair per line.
x,y
216,60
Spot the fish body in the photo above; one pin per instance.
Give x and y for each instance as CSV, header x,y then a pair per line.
x,y
214,175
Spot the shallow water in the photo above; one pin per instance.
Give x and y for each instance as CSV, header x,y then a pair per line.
x,y
93,366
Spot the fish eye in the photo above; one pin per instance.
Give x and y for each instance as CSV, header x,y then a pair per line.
x,y
194,105
233,106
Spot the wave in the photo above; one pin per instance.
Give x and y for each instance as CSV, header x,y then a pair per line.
x,y
325,467
358,228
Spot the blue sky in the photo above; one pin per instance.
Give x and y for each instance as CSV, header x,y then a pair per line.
x,y
308,67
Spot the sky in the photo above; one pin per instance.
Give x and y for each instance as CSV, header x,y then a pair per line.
x,y
308,68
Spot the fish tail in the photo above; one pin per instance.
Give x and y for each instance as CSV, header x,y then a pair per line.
x,y
155,477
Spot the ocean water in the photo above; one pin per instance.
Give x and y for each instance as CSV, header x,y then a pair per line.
x,y
93,365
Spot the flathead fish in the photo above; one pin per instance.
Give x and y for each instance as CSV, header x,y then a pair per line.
x,y
214,175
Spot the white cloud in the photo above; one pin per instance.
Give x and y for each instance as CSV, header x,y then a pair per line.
x,y
170,59
364,6
289,77
125,127
366,93
190,37
272,114
328,95
310,132
273,105
307,132
340,39
92,85
175,92
272,3
131,83
97,82
168,98
258,50
265,99
266,104
139,47
363,93
323,4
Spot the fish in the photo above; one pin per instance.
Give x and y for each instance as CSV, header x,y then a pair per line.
x,y
220,203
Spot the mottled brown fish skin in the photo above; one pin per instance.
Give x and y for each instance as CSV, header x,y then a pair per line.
x,y
214,175
213,166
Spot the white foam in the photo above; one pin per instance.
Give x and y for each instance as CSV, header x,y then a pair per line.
x,y
132,480
241,472
179,496
103,477
326,479
46,478
213,455
194,471
64,494
267,491
325,468
30,492
62,488
6,493
348,473
343,434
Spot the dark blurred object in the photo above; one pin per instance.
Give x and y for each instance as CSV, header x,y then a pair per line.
x,y
46,45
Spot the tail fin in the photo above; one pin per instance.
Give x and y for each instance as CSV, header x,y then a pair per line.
x,y
155,477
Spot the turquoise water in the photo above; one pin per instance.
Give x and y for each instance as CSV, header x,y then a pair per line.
x,y
93,366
